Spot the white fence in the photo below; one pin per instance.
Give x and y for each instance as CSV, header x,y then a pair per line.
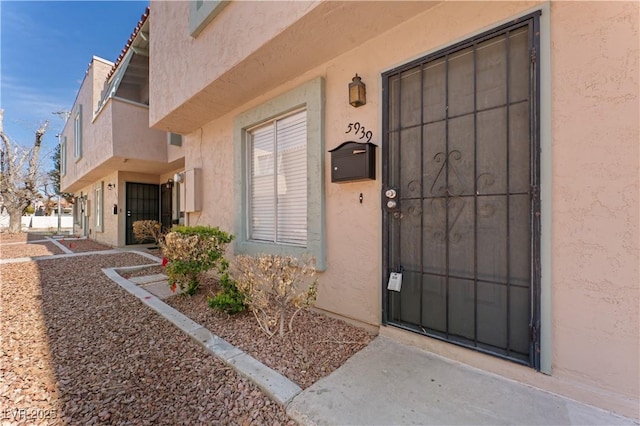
x,y
39,222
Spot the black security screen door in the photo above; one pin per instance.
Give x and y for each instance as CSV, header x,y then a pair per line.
x,y
143,203
166,204
461,153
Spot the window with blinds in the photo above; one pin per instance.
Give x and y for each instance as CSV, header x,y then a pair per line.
x,y
99,203
278,180
78,133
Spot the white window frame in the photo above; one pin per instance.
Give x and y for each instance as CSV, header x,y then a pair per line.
x,y
77,210
309,96
77,133
99,210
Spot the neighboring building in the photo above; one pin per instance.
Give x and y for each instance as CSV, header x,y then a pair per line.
x,y
508,131
119,169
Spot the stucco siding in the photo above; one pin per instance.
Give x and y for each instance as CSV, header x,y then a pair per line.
x,y
595,55
132,138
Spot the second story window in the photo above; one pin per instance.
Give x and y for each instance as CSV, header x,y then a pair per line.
x,y
174,139
201,12
78,133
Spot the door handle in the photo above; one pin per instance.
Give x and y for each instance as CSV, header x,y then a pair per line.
x,y
390,199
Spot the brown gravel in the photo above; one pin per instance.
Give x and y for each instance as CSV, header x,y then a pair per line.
x,y
13,251
317,346
6,237
80,246
77,348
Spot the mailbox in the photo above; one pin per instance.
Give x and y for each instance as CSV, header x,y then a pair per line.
x,y
353,161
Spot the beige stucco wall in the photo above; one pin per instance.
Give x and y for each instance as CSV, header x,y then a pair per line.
x,y
227,42
132,137
595,193
593,172
92,151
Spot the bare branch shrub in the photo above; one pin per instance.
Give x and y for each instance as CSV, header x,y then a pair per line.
x,y
271,284
148,230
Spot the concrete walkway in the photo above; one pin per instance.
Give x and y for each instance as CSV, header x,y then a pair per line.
x,y
388,383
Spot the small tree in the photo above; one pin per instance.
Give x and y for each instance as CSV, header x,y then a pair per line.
x,y
54,175
18,174
273,283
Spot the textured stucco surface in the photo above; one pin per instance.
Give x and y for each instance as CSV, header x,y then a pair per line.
x,y
595,193
92,151
594,154
132,137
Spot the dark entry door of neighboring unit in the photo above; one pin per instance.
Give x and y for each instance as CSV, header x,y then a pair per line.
x,y
166,202
461,152
143,203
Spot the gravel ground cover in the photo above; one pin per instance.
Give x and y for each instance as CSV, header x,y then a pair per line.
x,y
12,251
80,246
77,246
6,237
317,346
77,349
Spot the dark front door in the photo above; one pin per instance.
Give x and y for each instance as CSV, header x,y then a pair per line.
x,y
143,203
165,206
461,154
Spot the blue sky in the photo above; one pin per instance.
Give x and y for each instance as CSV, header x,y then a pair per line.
x,y
45,49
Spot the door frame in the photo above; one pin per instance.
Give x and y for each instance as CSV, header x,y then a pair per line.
x,y
127,208
537,90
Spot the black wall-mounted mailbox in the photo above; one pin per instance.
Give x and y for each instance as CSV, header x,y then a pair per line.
x,y
353,161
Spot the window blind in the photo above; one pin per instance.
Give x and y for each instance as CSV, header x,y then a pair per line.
x,y
278,181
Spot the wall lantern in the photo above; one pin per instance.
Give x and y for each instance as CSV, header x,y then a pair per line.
x,y
169,184
110,186
357,92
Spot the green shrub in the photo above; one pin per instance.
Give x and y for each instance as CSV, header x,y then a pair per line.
x,y
230,299
190,251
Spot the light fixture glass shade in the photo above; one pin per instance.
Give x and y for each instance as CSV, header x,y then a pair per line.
x,y
357,92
